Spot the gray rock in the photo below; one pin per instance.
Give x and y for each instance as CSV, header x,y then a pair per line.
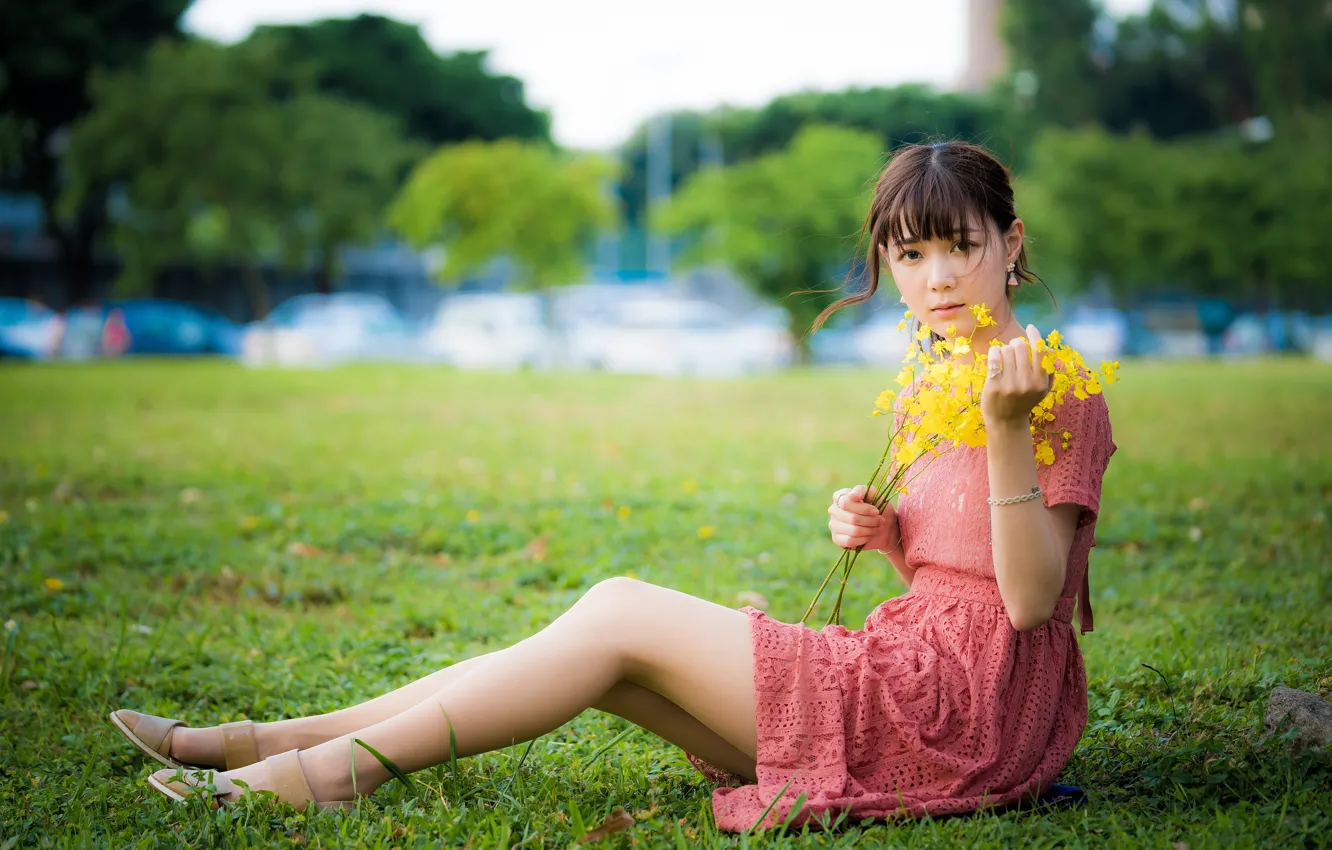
x,y
1309,713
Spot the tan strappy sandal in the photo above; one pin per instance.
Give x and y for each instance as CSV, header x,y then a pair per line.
x,y
153,734
284,770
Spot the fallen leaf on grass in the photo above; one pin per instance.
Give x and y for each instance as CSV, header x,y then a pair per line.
x,y
302,550
752,597
536,550
617,821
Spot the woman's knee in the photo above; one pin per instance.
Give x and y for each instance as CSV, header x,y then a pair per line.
x,y
612,597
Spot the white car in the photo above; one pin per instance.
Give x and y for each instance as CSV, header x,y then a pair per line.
x,y
320,330
1097,334
662,336
491,331
878,342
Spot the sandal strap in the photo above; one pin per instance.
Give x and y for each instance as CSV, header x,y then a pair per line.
x,y
288,779
153,731
238,744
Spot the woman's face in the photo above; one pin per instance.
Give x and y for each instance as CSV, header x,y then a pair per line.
x,y
941,278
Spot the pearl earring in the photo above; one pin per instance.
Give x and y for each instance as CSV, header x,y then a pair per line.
x,y
1012,277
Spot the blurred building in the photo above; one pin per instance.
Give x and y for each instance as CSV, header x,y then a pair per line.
x,y
987,56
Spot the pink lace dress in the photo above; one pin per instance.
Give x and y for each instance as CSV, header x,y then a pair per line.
x,y
938,705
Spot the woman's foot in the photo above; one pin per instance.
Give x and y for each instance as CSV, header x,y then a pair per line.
x,y
229,746
283,774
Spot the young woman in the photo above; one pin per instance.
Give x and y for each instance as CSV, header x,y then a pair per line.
x,y
967,691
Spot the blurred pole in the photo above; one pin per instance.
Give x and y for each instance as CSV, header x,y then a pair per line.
x,y
659,189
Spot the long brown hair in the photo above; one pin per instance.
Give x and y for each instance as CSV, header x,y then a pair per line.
x,y
933,192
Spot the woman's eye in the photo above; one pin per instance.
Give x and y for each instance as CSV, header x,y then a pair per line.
x,y
964,245
909,254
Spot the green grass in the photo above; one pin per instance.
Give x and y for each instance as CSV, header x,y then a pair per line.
x,y
261,544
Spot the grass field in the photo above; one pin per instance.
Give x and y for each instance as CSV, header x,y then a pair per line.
x,y
198,541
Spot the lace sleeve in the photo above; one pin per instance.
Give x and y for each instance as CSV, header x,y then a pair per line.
x,y
1075,476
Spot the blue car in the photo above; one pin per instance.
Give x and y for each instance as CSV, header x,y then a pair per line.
x,y
28,330
149,326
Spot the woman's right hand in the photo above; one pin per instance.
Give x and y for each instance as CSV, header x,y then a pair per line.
x,y
856,523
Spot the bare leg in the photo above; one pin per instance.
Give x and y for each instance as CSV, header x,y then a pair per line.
x,y
695,654
203,745
635,703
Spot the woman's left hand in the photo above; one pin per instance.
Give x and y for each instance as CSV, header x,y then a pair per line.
x,y
1020,383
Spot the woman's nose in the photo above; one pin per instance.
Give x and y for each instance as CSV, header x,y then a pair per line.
x,y
942,273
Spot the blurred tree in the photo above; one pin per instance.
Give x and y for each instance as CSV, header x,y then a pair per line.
x,y
388,66
1054,48
482,200
47,52
1217,217
1180,68
896,115
784,221
226,155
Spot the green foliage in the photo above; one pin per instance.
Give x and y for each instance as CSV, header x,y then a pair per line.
x,y
1182,67
387,65
225,155
1217,216
906,113
47,53
482,200
785,221
216,565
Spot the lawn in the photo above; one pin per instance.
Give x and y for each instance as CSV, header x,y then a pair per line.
x,y
200,541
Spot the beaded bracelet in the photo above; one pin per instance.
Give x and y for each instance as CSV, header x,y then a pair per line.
x,y
1034,494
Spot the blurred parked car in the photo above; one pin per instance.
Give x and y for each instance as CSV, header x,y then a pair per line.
x,y
148,326
28,330
1097,333
662,336
313,330
879,342
491,331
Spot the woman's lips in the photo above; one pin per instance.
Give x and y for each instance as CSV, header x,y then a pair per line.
x,y
947,312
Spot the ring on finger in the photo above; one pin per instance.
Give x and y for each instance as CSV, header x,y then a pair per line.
x,y
995,368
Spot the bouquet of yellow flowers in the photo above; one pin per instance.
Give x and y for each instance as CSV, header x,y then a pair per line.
x,y
939,409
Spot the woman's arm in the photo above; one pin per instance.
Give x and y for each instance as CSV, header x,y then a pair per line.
x,y
1030,541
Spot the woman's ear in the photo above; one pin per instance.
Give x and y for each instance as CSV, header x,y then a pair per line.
x,y
1013,240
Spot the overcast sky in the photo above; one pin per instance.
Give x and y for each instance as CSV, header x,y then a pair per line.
x,y
600,67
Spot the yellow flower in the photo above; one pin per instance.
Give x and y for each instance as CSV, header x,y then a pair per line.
x,y
706,531
901,326
982,314
1045,454
1054,339
951,330
963,346
54,584
625,511
473,515
885,400
908,314
922,332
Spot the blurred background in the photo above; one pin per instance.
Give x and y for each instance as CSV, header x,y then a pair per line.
x,y
307,182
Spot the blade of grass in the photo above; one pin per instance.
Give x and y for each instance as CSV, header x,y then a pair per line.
x,y
514,775
795,810
606,746
388,765
769,808
453,751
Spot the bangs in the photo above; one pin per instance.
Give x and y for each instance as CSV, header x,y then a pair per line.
x,y
932,203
